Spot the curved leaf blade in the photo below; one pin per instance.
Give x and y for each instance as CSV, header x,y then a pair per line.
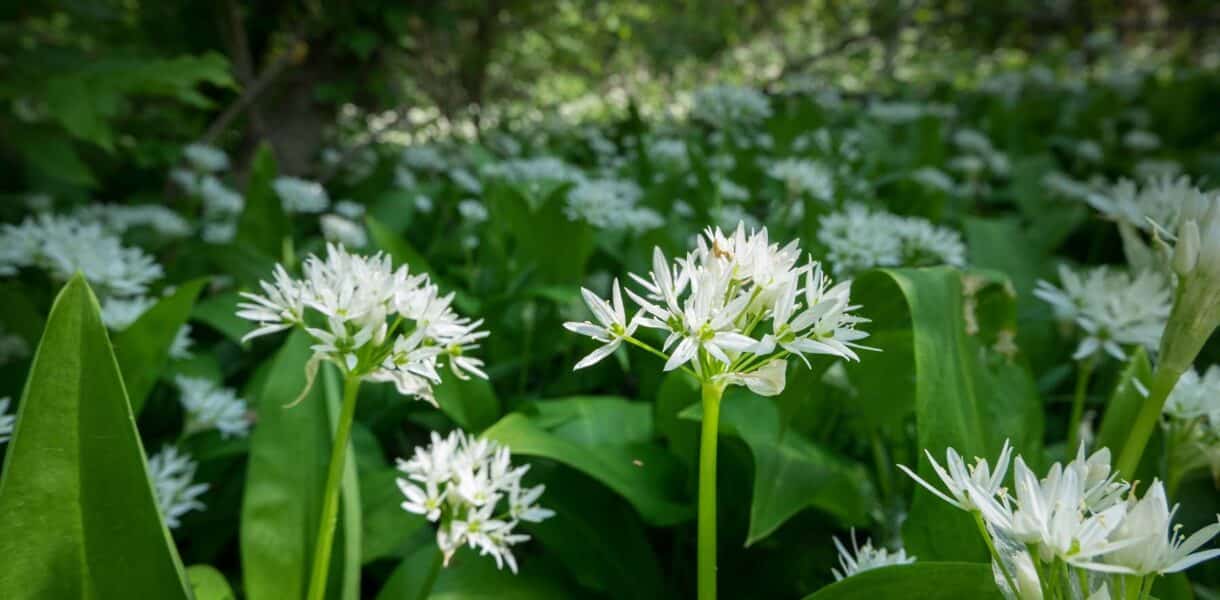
x,y
143,348
924,580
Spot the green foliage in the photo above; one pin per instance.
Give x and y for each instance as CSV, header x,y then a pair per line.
x,y
143,347
80,518
931,580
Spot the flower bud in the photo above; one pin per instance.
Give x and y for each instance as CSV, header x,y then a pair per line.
x,y
1186,251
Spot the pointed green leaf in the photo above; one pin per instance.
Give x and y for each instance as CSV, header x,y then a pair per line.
x,y
923,580
208,584
1125,403
640,471
263,224
80,516
289,452
143,348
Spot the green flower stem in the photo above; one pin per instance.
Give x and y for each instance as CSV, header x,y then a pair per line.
x,y
995,554
1145,422
712,393
1083,374
330,498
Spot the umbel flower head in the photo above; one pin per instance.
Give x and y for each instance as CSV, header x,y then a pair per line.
x,y
866,557
732,311
173,479
1114,309
373,321
469,487
210,406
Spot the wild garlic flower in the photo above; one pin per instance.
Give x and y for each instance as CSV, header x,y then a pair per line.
x,y
804,177
935,179
669,153
1112,308
1141,141
726,106
373,321
1150,543
64,245
119,218
535,171
1156,203
180,348
119,313
731,311
300,195
866,557
424,158
211,406
1062,185
341,230
1195,259
858,238
611,204
220,202
173,480
205,158
1195,396
469,487
473,211
6,420
965,484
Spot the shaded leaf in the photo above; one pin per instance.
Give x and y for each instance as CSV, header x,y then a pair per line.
x,y
143,348
209,584
263,224
923,580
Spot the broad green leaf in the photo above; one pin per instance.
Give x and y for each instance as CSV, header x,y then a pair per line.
x,y
641,472
1125,403
209,584
971,390
472,577
471,403
143,348
80,515
397,247
596,535
289,452
791,472
409,579
545,238
263,224
220,313
923,580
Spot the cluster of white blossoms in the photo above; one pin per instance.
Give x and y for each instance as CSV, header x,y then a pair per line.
x,y
1113,308
979,154
342,230
222,206
301,195
732,311
611,204
205,158
470,488
536,173
726,106
669,153
173,478
6,420
424,157
373,321
1156,203
180,348
865,558
1196,396
803,177
62,245
211,406
859,238
1079,517
119,218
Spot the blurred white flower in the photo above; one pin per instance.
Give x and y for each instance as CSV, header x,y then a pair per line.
x,y
65,245
180,349
12,347
6,420
424,158
352,210
220,201
119,218
219,233
1141,141
1112,308
469,487
473,211
611,204
173,480
205,158
1195,396
119,313
1062,185
802,176
866,557
858,238
211,406
466,180
301,196
934,178
729,105
340,230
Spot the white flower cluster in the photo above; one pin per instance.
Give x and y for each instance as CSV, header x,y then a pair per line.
x,y
1076,515
173,478
726,106
804,177
301,195
469,487
473,211
120,275
342,230
1062,185
1158,203
1112,307
374,321
611,204
896,113
935,179
979,155
180,348
669,153
1196,396
535,169
119,218
732,311
205,158
858,238
221,204
424,158
6,420
865,558
211,406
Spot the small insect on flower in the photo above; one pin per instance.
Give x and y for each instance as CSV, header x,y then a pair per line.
x,y
469,487
866,557
173,479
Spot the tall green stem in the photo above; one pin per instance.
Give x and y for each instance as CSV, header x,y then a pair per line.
x,y
330,498
1145,422
1082,387
712,392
